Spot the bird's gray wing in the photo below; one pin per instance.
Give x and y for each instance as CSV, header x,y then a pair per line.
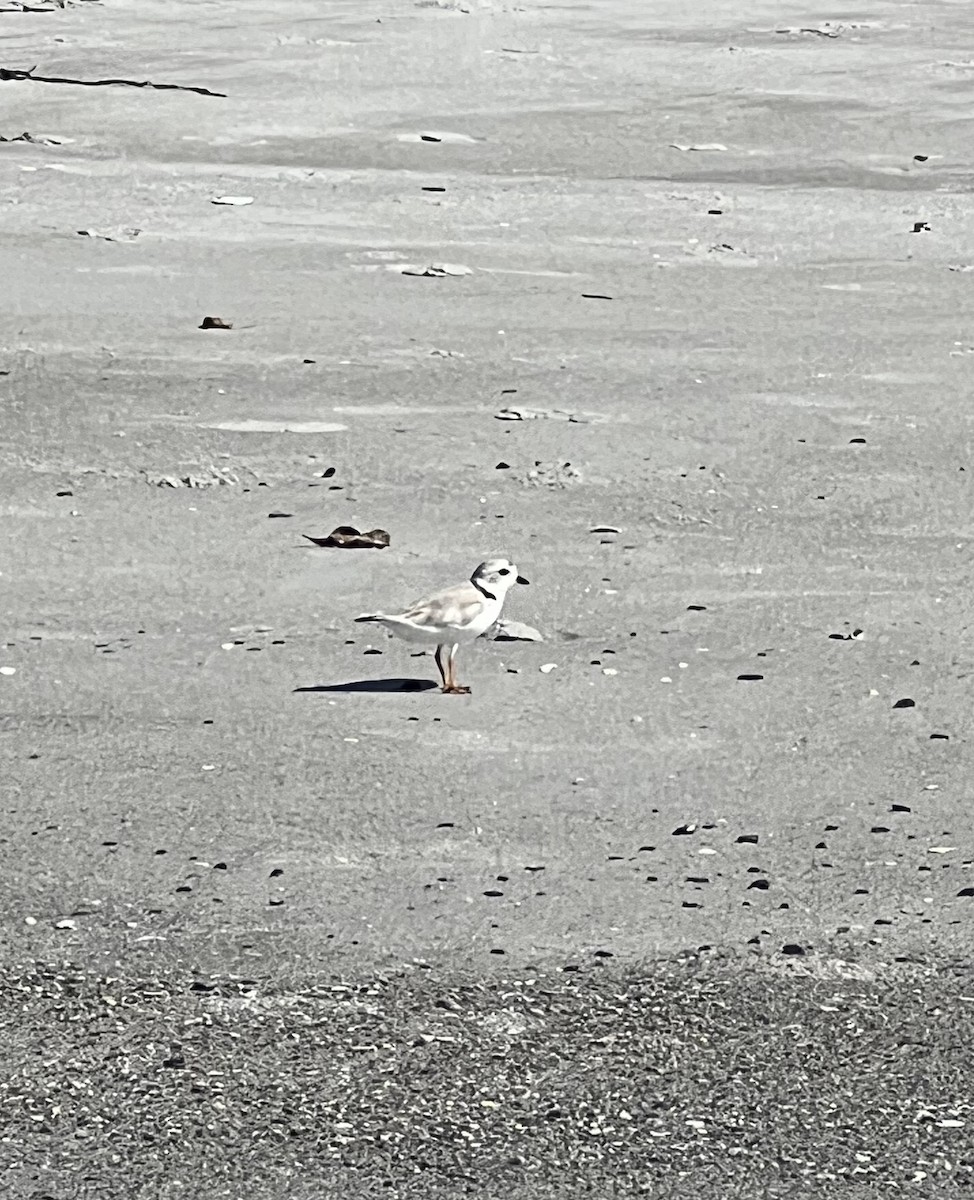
x,y
454,607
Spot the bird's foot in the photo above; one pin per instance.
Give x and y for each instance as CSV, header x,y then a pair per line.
x,y
455,690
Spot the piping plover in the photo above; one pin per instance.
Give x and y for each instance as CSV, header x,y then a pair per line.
x,y
457,615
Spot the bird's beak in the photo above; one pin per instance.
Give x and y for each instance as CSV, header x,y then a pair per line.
x,y
521,579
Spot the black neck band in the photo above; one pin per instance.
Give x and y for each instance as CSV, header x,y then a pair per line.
x,y
483,591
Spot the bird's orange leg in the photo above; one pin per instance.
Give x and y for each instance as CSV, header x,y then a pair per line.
x,y
452,686
441,668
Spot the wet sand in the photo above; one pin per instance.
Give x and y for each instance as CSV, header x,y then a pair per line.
x,y
764,349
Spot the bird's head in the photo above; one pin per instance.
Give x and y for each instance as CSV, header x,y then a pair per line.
x,y
496,575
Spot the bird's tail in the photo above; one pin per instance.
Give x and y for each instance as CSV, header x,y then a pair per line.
x,y
369,617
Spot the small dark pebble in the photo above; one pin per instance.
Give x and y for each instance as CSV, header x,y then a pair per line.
x,y
762,885
696,608
276,873
220,866
792,948
746,677
493,892
502,466
751,838
940,737
900,808
278,515
906,702
879,829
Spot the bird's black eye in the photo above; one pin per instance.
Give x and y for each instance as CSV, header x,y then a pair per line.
x,y
503,571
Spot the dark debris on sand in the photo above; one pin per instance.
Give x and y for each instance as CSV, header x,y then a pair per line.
x,y
697,1080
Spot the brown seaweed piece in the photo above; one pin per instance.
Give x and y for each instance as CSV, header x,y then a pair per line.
x,y
347,537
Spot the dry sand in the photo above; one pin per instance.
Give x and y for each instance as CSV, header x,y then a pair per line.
x,y
204,763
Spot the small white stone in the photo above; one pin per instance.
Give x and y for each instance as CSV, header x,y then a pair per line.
x,y
547,668
30,920
226,645
209,767
683,666
636,720
349,739
8,670
665,679
609,671
66,923
706,850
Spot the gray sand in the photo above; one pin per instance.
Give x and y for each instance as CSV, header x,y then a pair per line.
x,y
209,768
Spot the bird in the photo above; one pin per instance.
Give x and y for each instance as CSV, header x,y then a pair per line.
x,y
456,615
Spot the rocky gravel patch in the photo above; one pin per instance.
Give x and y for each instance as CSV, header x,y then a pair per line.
x,y
676,1079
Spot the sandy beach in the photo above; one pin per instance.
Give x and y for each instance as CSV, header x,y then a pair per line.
x,y
670,305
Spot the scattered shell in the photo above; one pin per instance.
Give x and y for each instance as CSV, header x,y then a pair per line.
x,y
513,631
547,668
236,200
434,270
439,135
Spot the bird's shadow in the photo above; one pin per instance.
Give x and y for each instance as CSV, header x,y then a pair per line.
x,y
373,685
